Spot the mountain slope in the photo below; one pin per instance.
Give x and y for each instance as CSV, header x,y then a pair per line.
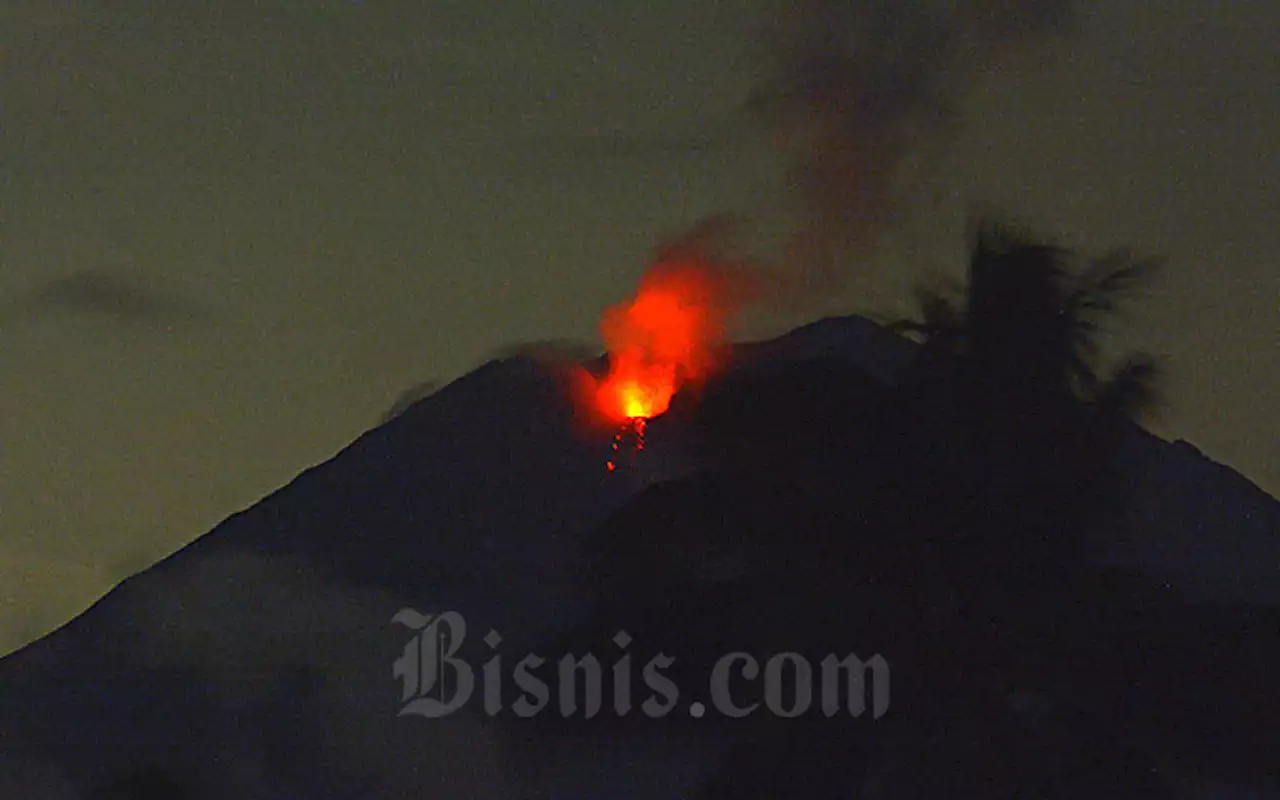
x,y
257,662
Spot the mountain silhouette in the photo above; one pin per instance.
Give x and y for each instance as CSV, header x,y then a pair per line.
x,y
815,498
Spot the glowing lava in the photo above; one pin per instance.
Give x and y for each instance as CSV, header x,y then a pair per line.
x,y
666,335
632,433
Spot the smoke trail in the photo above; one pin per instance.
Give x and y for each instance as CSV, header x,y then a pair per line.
x,y
857,86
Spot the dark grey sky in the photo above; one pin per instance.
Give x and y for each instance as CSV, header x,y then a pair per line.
x,y
232,237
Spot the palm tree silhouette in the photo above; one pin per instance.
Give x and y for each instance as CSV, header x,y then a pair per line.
x,y
1014,457
1030,327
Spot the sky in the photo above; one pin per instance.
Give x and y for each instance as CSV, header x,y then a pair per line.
x,y
231,236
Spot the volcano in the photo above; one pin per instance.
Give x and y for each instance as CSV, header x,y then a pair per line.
x,y
804,501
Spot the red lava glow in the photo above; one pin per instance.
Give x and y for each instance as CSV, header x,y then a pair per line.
x,y
631,433
664,336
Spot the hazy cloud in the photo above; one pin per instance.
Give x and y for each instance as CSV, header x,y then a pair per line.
x,y
856,87
410,396
619,144
111,293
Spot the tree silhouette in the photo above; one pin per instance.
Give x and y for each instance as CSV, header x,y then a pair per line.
x,y
1002,441
1012,422
1031,326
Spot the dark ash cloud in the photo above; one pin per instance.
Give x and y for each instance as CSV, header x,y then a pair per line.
x,y
858,86
110,293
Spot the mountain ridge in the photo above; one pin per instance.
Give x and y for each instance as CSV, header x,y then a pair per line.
x,y
478,498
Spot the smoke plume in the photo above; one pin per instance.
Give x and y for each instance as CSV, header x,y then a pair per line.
x,y
856,87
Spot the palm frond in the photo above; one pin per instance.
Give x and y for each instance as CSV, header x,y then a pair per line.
x,y
939,316
1107,281
1132,388
938,311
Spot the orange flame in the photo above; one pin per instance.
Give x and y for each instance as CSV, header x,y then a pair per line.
x,y
664,336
